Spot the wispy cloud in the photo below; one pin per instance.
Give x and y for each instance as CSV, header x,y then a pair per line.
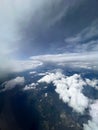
x,y
86,40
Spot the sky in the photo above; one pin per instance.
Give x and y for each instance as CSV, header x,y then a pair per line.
x,y
61,32
42,27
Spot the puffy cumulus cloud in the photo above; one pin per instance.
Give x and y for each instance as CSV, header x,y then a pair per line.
x,y
12,83
51,77
30,86
92,83
93,123
69,89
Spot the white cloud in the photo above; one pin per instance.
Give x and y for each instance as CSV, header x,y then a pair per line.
x,y
18,66
75,60
50,77
92,83
69,89
30,86
43,73
32,72
46,94
93,123
65,57
80,60
12,13
12,83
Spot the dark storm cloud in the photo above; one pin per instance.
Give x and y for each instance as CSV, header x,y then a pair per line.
x,y
47,28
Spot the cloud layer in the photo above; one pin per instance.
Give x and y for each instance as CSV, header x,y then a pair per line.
x,y
71,59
